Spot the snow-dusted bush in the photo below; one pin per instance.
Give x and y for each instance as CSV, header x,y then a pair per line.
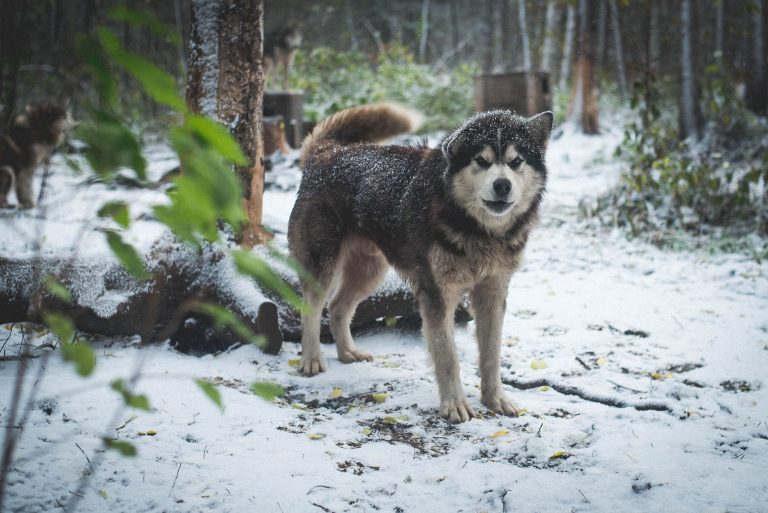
x,y
334,80
718,181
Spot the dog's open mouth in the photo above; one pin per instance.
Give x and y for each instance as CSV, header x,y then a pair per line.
x,y
497,206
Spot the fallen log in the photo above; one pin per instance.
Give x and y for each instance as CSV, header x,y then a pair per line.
x,y
107,300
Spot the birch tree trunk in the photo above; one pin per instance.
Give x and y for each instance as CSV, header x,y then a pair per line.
x,y
530,85
490,37
689,115
757,85
566,61
550,36
424,35
225,81
618,49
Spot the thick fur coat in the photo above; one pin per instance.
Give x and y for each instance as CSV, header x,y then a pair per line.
x,y
27,143
451,220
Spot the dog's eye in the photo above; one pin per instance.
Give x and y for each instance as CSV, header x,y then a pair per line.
x,y
482,162
515,162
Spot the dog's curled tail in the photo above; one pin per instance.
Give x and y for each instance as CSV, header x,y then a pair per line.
x,y
367,123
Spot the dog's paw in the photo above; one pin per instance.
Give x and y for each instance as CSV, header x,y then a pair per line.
x,y
456,410
26,205
355,355
500,403
311,365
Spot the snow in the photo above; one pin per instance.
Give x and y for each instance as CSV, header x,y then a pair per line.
x,y
599,313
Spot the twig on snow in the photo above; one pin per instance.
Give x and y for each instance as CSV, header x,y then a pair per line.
x,y
174,479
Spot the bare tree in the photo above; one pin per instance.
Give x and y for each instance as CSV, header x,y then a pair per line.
x,y
566,61
602,18
719,29
654,39
530,85
424,32
490,37
507,52
689,112
757,85
584,110
550,36
618,48
225,81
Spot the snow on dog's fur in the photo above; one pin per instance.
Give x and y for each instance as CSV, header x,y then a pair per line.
x,y
451,220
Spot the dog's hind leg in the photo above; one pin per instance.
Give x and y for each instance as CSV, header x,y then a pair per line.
x,y
489,304
6,182
437,309
361,270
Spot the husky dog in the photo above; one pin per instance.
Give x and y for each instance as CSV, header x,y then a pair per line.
x,y
27,143
280,49
451,220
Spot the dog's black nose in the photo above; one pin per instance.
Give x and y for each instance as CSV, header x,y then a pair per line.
x,y
502,186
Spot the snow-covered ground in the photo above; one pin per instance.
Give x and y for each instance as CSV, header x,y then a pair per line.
x,y
643,373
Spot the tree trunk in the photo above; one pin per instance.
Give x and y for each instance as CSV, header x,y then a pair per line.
x,y
424,31
225,81
351,25
654,41
530,85
618,48
719,30
550,37
567,58
584,111
602,18
455,26
490,37
757,85
508,57
689,112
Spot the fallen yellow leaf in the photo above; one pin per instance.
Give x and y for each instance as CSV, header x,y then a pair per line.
x,y
538,364
601,361
561,455
315,436
336,392
660,376
300,406
367,431
543,388
391,365
503,432
389,419
151,432
294,362
380,398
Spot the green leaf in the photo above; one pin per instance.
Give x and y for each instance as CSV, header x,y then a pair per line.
x,y
223,319
118,211
121,446
127,256
250,265
81,354
218,137
138,18
60,325
58,289
111,145
211,391
138,401
266,390
157,83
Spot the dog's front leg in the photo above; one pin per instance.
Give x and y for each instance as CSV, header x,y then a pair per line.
x,y
24,188
489,304
437,311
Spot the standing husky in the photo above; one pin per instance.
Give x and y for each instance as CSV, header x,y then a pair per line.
x,y
280,49
27,143
450,220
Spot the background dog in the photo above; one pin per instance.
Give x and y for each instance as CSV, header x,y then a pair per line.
x,y
280,49
451,220
28,142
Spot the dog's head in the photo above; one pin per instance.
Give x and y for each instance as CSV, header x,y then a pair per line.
x,y
49,118
496,168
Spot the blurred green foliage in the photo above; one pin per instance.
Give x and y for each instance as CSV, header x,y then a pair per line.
x,y
335,80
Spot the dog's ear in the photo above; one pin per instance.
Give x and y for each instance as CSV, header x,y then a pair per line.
x,y
452,144
540,127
